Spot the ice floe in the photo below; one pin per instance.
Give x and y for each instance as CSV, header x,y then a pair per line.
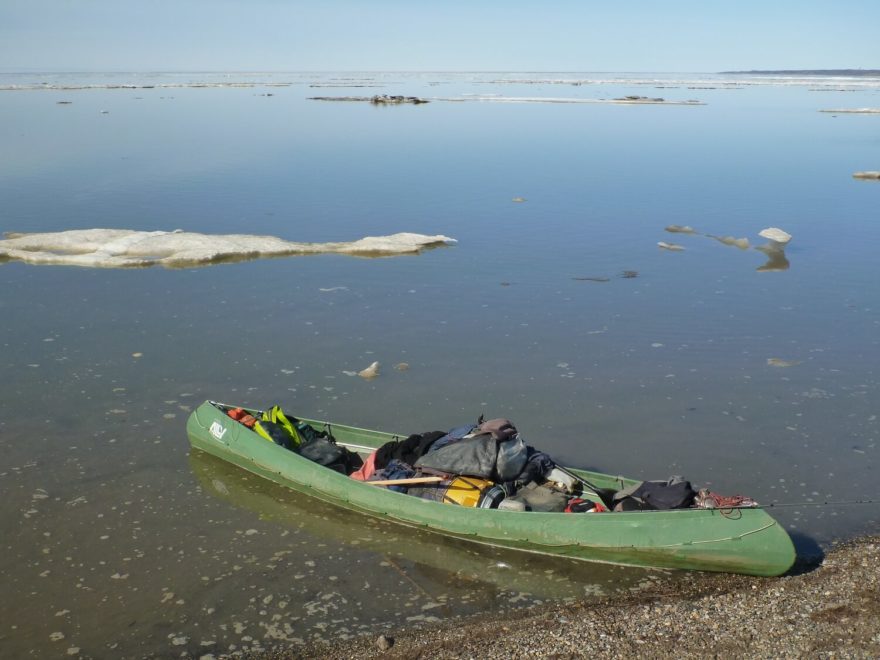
x,y
73,86
777,239
126,248
741,243
370,372
853,111
776,235
493,98
497,98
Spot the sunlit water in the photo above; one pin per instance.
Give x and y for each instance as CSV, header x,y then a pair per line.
x,y
117,542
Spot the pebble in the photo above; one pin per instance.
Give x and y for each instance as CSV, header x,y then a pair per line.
x,y
824,608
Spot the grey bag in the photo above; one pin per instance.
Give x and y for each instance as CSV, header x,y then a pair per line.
x,y
512,457
471,456
480,456
541,498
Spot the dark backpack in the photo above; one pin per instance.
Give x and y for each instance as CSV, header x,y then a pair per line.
x,y
323,450
302,438
675,493
274,432
297,430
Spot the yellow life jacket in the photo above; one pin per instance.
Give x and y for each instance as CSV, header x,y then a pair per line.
x,y
277,416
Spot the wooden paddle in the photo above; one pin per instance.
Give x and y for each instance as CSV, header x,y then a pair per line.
x,y
411,480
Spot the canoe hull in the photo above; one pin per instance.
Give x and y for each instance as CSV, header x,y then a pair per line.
x,y
745,541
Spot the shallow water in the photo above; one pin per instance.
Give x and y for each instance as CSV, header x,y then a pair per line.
x,y
761,383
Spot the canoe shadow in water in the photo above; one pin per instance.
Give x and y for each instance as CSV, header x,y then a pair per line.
x,y
439,558
809,554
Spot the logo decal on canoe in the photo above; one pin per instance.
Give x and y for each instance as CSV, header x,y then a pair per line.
x,y
217,430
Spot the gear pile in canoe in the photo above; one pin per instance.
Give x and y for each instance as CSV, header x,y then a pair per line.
x,y
481,482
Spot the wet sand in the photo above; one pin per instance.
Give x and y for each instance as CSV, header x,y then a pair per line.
x,y
828,608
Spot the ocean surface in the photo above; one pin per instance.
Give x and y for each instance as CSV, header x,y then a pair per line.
x,y
745,371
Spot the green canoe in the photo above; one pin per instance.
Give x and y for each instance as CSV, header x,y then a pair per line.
x,y
735,540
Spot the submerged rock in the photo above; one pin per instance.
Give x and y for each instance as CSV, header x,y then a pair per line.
x,y
777,362
741,243
681,229
776,259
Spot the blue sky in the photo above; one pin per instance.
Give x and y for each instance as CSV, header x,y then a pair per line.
x,y
452,35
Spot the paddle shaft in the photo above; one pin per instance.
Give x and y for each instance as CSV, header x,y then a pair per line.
x,y
410,480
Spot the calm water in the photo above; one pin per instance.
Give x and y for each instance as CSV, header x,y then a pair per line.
x,y
119,540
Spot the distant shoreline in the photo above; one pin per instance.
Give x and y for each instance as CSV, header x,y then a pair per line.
x,y
809,72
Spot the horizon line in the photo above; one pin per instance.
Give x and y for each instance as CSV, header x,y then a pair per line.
x,y
838,70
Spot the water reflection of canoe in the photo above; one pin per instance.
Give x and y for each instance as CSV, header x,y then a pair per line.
x,y
511,571
737,540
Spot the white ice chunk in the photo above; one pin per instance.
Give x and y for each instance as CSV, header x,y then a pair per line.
x,y
370,372
776,235
126,248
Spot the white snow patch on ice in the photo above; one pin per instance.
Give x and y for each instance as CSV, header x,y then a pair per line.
x,y
126,248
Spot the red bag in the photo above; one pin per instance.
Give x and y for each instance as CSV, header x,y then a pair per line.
x,y
243,416
577,505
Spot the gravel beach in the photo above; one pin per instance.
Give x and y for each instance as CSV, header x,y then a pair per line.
x,y
830,608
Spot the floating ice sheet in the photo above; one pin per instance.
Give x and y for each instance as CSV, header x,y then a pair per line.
x,y
495,98
853,111
126,248
161,85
